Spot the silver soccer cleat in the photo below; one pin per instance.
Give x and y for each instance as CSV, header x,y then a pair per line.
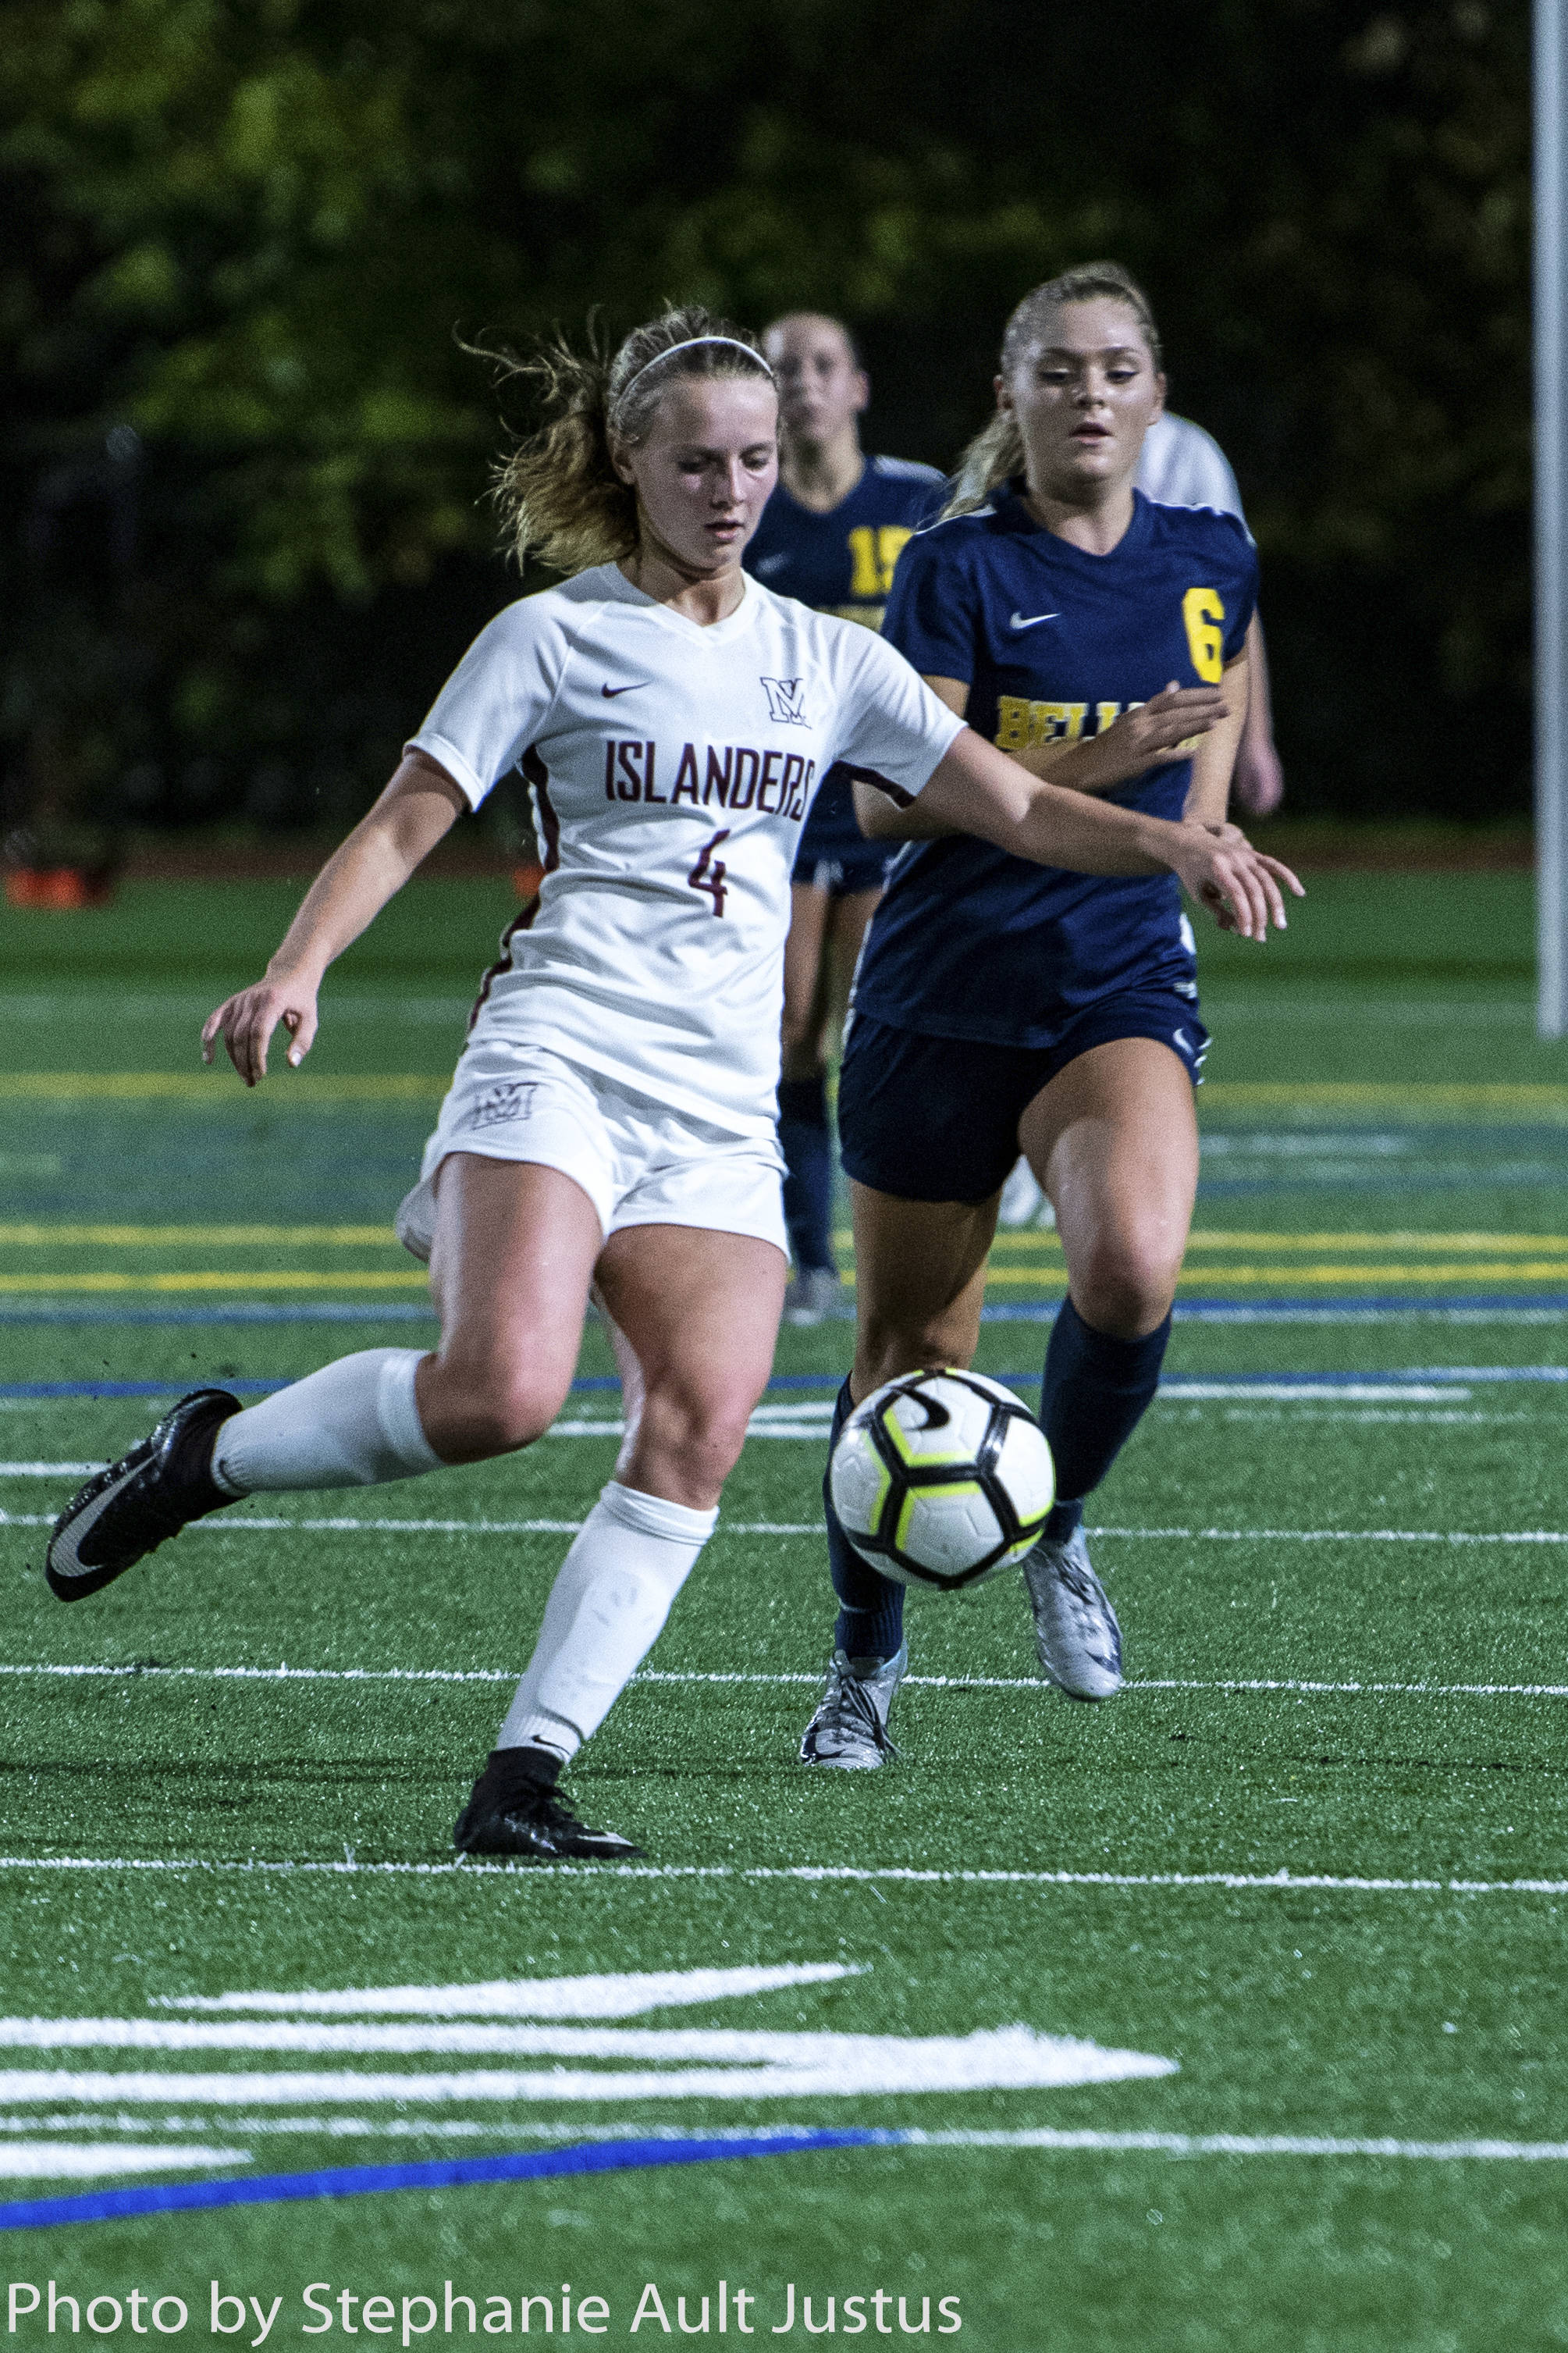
x,y
1076,1632
849,1728
812,1294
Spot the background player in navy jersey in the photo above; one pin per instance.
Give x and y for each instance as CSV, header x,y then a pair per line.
x,y
1001,1007
830,536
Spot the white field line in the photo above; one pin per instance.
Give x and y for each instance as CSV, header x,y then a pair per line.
x,y
853,2055
346,1527
343,1527
1169,2144
1350,1392
1278,1685
1044,2138
740,2067
1284,1882
55,2160
623,1995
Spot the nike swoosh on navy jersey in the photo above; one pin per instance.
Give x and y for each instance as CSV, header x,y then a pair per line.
x,y
609,692
1031,620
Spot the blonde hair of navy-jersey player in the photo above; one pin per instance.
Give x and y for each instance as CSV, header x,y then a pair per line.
x,y
830,534
1000,1006
611,1117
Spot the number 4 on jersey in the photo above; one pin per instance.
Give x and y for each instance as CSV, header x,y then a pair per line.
x,y
707,874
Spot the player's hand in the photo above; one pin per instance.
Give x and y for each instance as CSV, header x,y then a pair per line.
x,y
1238,884
1164,728
245,1024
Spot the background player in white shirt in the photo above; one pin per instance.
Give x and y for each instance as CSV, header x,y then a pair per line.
x,y
611,1119
1183,466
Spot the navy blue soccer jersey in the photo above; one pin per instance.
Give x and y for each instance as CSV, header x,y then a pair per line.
x,y
1053,644
842,562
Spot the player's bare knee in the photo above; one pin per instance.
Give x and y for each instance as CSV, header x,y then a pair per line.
x,y
484,1409
887,1350
697,1439
1126,1287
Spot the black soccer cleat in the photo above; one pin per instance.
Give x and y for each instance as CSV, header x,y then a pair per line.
x,y
150,1495
535,1827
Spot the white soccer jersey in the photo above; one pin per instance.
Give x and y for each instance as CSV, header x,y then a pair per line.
x,y
671,767
1183,466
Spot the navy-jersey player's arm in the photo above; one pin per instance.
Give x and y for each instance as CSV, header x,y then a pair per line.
x,y
1161,729
978,790
933,617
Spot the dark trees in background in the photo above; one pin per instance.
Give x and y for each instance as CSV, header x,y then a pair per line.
x,y
245,459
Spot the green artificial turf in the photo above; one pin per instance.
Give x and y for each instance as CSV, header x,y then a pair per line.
x,y
1339,1672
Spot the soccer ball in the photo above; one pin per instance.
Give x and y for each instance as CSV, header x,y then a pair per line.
x,y
941,1478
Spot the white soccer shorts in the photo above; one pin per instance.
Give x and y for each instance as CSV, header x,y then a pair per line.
x,y
640,1163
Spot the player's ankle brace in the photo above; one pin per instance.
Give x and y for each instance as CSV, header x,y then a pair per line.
x,y
870,1622
1094,1394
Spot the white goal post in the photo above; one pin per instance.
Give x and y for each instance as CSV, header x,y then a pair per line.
x,y
1551,344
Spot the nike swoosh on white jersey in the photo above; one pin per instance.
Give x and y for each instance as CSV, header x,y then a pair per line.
x,y
610,693
1031,620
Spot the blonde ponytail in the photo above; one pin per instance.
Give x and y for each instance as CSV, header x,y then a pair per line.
x,y
559,496
995,456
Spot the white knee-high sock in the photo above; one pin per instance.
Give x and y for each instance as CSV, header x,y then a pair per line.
x,y
353,1424
611,1595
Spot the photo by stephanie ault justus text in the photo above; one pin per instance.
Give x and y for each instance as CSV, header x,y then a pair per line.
x,y
49,2307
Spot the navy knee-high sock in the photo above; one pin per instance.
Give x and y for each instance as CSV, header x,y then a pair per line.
x,y
806,1142
870,1605
1095,1389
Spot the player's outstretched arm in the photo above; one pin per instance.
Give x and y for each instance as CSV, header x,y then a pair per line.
x,y
977,789
419,805
1178,723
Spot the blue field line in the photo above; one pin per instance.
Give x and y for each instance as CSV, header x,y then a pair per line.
x,y
1262,1309
1176,1384
1266,1310
441,2173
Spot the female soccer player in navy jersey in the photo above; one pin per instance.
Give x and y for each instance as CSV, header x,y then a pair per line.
x,y
612,1116
830,534
1000,1006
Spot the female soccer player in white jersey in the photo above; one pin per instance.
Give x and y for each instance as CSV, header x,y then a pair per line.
x,y
612,1116
1001,1007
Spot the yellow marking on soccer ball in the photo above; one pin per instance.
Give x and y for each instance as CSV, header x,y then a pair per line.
x,y
884,1481
917,1496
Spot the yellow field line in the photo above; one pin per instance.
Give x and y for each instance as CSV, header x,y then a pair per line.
x,y
39,1237
1345,1094
1211,1237
1504,1271
244,1279
240,1278
209,1087
44,1237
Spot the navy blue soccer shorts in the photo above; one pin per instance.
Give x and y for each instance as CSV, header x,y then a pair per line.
x,y
834,854
936,1119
